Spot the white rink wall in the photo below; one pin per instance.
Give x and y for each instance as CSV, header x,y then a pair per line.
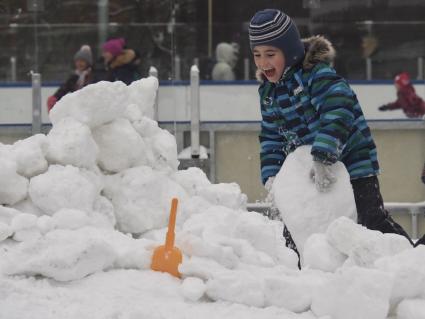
x,y
219,102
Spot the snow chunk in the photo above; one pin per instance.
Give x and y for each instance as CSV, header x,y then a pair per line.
x,y
143,94
23,221
363,246
120,147
164,148
319,254
63,187
13,187
71,143
303,208
141,198
29,155
7,214
70,219
192,179
237,286
193,288
407,271
225,194
161,142
63,255
411,309
93,105
146,127
5,231
27,206
354,293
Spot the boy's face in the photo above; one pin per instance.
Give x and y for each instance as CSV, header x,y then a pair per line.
x,y
270,60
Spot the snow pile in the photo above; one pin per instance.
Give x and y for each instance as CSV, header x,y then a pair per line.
x,y
83,208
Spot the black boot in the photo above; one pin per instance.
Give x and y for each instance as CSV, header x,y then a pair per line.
x,y
289,242
370,207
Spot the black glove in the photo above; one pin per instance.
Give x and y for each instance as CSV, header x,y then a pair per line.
x,y
383,107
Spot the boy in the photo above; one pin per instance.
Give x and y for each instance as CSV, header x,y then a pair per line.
x,y
304,102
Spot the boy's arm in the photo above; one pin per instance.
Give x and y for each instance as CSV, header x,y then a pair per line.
x,y
334,101
271,153
271,143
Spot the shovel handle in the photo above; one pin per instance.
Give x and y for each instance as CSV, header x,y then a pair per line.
x,y
169,240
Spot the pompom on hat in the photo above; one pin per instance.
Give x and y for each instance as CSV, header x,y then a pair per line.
x,y
275,28
402,79
84,54
114,46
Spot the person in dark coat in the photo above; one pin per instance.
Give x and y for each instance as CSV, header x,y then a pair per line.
x,y
305,102
407,99
121,63
82,76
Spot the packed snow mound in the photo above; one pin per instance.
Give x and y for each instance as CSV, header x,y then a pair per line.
x,y
303,208
83,208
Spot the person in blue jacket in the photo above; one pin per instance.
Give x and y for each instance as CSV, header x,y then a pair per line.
x,y
305,102
121,62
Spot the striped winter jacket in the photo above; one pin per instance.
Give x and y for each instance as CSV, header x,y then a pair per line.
x,y
312,105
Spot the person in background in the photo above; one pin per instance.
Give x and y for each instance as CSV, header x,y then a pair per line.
x,y
227,56
305,102
82,76
407,99
121,63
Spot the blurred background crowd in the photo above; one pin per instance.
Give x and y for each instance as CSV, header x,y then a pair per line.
x,y
374,39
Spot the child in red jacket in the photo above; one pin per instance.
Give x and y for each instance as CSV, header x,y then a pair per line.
x,y
407,99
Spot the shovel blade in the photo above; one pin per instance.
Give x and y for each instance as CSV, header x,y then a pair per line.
x,y
167,260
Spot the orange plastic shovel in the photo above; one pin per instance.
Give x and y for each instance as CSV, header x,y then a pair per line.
x,y
166,258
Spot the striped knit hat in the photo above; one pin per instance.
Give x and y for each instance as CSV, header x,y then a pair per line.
x,y
275,28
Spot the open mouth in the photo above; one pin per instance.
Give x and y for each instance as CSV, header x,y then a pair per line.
x,y
269,72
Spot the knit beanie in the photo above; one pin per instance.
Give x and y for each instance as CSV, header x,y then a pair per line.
x,y
402,79
84,54
114,46
275,28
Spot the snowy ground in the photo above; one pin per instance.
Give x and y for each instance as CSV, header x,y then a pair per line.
x,y
84,207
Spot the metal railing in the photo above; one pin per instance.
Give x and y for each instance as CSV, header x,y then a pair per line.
x,y
413,209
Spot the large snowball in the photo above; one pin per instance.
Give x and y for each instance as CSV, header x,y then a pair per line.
x,y
63,187
120,146
164,148
320,254
29,155
93,105
71,143
142,198
362,245
225,194
303,208
192,179
143,93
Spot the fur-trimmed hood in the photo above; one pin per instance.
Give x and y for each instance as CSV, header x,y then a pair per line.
x,y
318,49
126,57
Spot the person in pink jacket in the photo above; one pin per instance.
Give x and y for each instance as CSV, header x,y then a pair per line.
x,y
407,99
